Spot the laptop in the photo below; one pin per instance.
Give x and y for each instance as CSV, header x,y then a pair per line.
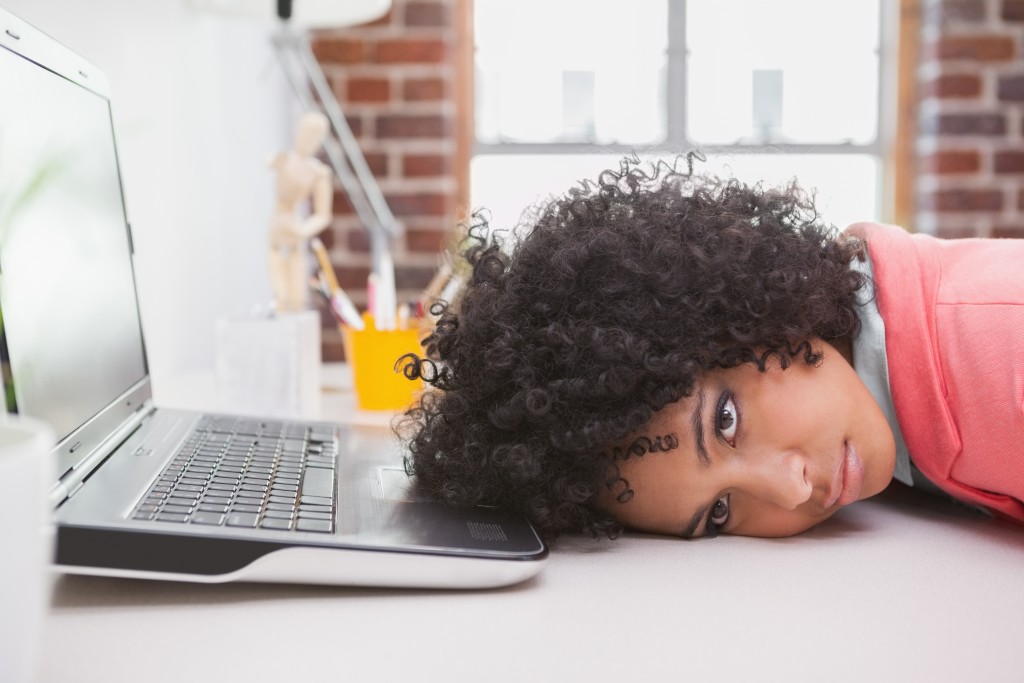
x,y
156,493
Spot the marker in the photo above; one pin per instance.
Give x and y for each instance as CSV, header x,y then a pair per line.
x,y
373,298
387,297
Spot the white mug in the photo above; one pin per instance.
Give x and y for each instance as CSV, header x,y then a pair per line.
x,y
26,542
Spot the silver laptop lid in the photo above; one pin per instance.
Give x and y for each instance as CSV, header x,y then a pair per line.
x,y
71,343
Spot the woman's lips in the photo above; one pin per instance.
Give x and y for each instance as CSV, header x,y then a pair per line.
x,y
848,480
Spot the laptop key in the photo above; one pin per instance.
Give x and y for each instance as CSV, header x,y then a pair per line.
x,y
278,514
319,465
274,523
171,517
316,500
303,514
321,525
315,508
213,507
177,509
318,482
283,493
245,507
246,519
211,518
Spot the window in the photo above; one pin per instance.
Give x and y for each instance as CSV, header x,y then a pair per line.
x,y
768,89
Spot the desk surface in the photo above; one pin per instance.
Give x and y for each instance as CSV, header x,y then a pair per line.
x,y
897,588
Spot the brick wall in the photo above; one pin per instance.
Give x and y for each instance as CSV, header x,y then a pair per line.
x,y
395,80
970,140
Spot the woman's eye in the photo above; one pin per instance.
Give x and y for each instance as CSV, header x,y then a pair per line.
x,y
725,420
719,514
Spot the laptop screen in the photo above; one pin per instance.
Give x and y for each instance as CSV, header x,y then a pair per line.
x,y
71,341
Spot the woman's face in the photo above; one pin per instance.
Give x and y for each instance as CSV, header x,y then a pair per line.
x,y
760,453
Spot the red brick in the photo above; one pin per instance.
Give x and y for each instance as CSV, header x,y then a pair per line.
x,y
352,278
966,124
321,306
982,48
424,89
368,90
964,200
418,204
952,161
1011,88
327,237
331,344
1013,10
419,165
956,232
358,241
341,50
332,350
427,14
432,241
355,124
410,50
413,277
378,163
1009,162
960,11
411,126
342,204
1009,231
954,85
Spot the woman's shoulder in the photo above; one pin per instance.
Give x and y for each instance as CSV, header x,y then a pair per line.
x,y
867,230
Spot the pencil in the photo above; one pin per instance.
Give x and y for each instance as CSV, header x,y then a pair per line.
x,y
325,264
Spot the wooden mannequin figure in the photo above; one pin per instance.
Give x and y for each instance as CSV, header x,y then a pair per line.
x,y
300,177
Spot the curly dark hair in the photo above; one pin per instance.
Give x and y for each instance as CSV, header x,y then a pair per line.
x,y
622,293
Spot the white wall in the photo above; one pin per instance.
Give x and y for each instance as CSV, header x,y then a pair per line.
x,y
199,104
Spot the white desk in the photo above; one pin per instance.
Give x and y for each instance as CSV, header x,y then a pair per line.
x,y
886,590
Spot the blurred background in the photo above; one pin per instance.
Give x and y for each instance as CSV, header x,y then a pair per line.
x,y
904,111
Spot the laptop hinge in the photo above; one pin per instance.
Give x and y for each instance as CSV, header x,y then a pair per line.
x,y
72,480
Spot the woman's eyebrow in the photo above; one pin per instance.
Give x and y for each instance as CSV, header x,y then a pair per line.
x,y
697,422
691,528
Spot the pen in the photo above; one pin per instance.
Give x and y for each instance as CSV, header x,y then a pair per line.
x,y
340,303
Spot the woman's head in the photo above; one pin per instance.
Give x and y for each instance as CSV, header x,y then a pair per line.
x,y
757,452
581,336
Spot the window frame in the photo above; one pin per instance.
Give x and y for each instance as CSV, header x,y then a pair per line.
x,y
892,146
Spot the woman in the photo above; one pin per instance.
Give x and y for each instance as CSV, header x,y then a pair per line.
x,y
680,354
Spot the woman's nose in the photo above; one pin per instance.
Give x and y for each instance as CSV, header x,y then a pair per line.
x,y
781,479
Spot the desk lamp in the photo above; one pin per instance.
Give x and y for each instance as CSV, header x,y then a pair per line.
x,y
301,68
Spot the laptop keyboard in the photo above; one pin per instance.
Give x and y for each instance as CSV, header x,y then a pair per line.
x,y
244,473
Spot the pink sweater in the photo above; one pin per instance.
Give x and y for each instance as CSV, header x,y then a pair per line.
x,y
954,337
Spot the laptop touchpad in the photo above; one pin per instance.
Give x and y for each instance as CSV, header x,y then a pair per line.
x,y
394,485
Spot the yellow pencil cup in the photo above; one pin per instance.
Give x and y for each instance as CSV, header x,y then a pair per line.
x,y
373,355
